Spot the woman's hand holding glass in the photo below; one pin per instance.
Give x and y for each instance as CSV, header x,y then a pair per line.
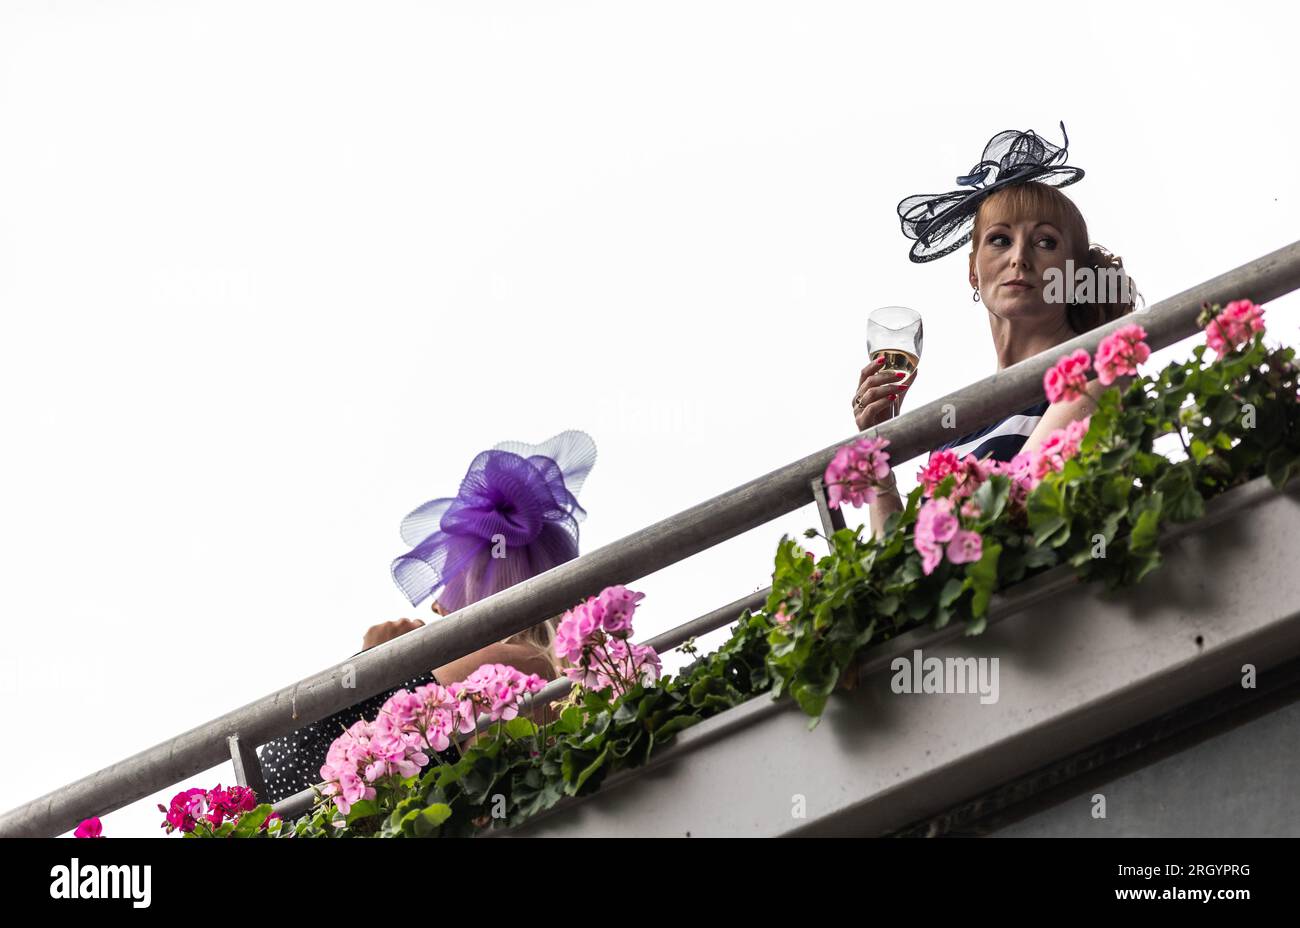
x,y
874,399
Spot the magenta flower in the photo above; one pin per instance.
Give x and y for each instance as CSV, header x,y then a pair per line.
x,y
228,803
186,809
1235,325
1120,353
90,828
965,547
1068,377
855,472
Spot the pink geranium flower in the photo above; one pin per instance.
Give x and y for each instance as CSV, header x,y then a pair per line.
x,y
594,637
187,807
1235,325
1120,353
617,605
855,472
90,828
968,473
935,524
1068,377
939,465
1057,448
496,689
577,631
965,547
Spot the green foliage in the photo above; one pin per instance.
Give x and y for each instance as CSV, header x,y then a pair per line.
x,y
1102,514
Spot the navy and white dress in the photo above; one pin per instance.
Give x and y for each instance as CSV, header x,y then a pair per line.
x,y
1002,440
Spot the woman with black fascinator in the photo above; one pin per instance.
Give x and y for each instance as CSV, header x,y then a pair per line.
x,y
1026,235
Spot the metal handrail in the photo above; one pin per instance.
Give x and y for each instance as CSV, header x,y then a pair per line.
x,y
643,552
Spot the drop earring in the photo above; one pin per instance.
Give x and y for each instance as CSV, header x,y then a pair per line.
x,y
976,295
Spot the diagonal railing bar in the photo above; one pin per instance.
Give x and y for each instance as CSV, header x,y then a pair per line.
x,y
643,552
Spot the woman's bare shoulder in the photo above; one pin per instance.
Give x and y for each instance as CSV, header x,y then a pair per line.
x,y
519,656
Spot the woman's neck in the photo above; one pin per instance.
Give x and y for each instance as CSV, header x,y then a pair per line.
x,y
1014,340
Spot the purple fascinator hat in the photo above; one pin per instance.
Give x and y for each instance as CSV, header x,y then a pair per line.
x,y
516,516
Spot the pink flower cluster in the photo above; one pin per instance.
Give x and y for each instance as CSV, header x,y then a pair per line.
x,y
939,530
969,473
495,689
855,472
1056,449
595,637
1236,324
938,526
191,807
1118,355
1066,379
411,723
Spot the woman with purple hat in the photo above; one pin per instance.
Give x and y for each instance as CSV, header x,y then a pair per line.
x,y
516,515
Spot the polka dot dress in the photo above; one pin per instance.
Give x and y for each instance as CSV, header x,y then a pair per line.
x,y
292,763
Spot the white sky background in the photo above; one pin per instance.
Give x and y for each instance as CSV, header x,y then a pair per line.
x,y
272,273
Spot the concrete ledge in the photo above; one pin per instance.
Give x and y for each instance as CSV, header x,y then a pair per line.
x,y
1076,665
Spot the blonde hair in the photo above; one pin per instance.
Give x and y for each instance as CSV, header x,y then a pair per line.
x,y
1036,200
541,638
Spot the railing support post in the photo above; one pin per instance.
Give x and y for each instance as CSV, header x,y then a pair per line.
x,y
832,519
248,767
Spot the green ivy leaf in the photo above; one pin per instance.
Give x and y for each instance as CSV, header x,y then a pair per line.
x,y
951,590
991,497
1279,466
520,727
362,809
252,820
1046,516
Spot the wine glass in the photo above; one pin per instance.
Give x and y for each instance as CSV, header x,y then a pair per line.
x,y
895,332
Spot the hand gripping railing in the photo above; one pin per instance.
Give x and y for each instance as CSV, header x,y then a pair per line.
x,y
641,553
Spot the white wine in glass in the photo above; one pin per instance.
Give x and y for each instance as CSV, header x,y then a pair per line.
x,y
895,333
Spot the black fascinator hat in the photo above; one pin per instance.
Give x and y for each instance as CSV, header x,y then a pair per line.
x,y
942,222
